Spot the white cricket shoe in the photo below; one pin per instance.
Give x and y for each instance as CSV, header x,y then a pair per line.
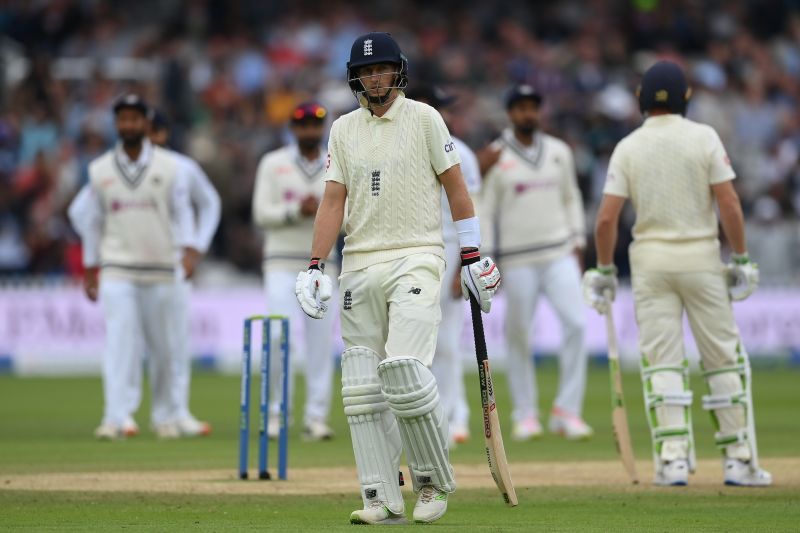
x,y
459,434
527,429
108,432
673,473
742,474
431,505
166,431
192,427
568,425
377,513
129,427
317,430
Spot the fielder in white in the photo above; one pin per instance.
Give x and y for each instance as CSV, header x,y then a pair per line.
x,y
387,162
673,170
532,204
134,218
207,210
447,365
289,185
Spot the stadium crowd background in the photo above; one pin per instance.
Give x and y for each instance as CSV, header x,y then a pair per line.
x,y
227,74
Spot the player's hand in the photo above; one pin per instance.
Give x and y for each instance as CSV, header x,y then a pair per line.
x,y
313,289
455,286
309,206
600,287
91,282
487,157
479,277
742,277
189,261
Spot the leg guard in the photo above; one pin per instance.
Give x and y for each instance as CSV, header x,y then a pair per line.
x,y
373,429
411,392
666,387
731,406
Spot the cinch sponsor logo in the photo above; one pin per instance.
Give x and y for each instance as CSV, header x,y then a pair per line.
x,y
449,147
117,205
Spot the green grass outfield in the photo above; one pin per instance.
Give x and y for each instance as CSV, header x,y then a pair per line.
x,y
46,427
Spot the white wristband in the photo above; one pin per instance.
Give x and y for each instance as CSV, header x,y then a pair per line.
x,y
469,233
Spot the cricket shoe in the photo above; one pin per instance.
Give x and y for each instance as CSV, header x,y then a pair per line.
x,y
315,430
431,505
569,426
673,473
192,427
377,514
129,427
526,429
166,431
742,474
459,434
109,432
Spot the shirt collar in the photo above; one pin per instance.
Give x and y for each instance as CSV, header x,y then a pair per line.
x,y
661,120
393,110
144,155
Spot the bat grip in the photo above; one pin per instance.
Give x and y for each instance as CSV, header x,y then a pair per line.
x,y
477,330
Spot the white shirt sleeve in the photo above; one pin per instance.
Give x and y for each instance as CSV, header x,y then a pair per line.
x,y
443,151
181,209
268,213
719,164
469,167
488,205
207,203
86,215
334,167
573,202
616,178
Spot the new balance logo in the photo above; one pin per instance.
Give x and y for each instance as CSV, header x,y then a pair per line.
x,y
415,290
367,47
347,303
370,493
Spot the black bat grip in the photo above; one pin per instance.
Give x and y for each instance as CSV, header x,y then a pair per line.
x,y
477,330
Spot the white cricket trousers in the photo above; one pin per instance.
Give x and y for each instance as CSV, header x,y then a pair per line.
x,y
318,345
138,315
392,308
447,364
560,281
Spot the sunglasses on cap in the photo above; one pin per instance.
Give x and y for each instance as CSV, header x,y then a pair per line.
x,y
309,111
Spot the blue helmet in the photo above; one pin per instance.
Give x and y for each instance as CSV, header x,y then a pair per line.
x,y
373,48
664,87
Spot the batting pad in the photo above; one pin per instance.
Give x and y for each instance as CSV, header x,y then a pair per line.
x,y
411,392
373,429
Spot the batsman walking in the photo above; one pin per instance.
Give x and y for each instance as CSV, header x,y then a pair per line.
x,y
673,170
388,160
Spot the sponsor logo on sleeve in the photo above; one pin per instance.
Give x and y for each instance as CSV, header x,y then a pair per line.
x,y
449,147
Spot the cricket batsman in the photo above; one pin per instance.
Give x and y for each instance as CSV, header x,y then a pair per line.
x,y
387,163
674,171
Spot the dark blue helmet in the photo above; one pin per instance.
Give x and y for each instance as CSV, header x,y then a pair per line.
x,y
373,48
664,87
130,101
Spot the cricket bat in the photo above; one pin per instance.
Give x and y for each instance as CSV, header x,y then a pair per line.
x,y
619,417
495,451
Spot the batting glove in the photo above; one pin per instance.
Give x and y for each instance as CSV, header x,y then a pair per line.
x,y
741,276
480,277
313,288
600,287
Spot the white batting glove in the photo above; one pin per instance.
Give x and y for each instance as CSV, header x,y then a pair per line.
x,y
481,277
313,289
600,287
742,277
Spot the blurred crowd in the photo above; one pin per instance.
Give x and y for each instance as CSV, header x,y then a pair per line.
x,y
227,74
